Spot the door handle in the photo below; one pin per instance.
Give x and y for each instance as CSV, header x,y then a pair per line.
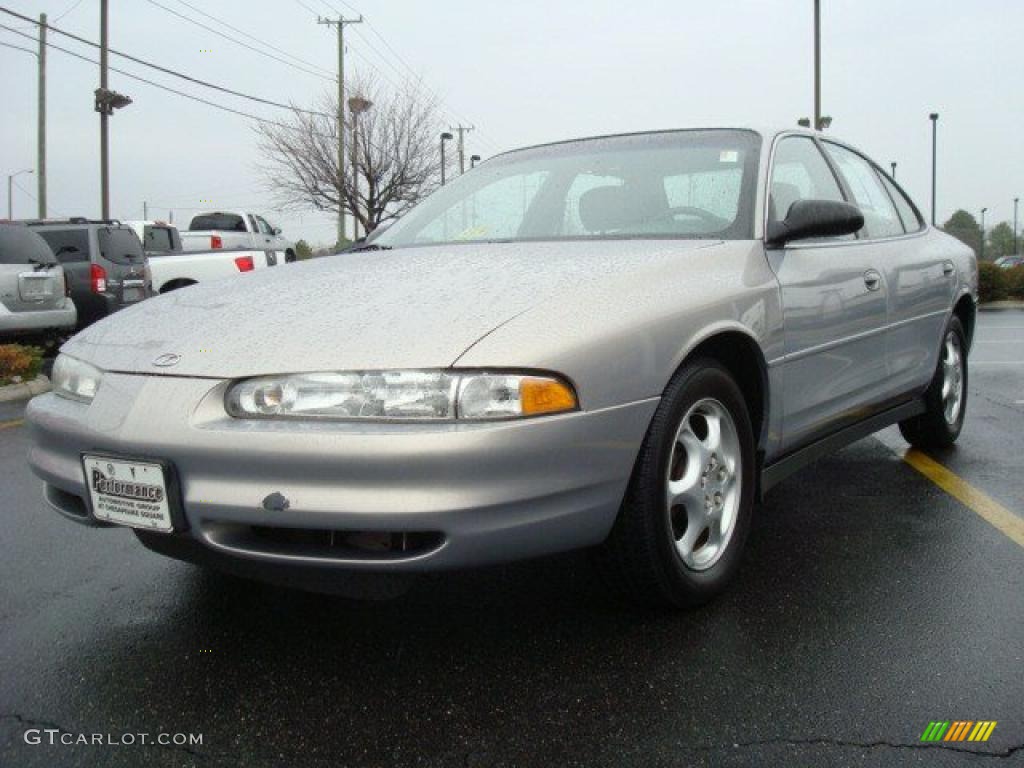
x,y
948,268
872,280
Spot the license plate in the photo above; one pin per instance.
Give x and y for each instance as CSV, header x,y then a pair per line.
x,y
126,492
129,295
35,287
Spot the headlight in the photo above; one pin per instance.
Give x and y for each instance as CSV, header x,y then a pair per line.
x,y
401,395
74,379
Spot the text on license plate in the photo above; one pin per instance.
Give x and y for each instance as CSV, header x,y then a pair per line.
x,y
128,492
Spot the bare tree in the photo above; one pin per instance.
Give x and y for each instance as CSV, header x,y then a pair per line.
x,y
398,155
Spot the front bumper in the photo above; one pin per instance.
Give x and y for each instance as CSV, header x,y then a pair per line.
x,y
466,494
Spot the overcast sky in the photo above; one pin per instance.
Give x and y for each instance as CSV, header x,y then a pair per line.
x,y
527,72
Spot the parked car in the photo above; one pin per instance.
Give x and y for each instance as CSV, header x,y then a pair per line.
x,y
1009,262
618,343
33,294
103,263
236,229
171,268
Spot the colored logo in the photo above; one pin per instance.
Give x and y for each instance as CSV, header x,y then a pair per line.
x,y
959,730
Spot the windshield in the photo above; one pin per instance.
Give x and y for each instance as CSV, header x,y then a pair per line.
x,y
121,246
682,184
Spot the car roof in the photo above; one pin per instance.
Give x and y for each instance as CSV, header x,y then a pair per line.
x,y
765,132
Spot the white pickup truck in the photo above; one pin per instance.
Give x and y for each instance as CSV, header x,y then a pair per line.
x,y
235,229
170,267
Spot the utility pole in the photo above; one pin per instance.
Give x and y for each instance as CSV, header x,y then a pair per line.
x,y
817,65
41,116
104,138
463,130
145,211
340,23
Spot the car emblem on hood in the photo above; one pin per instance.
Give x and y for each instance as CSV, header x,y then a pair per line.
x,y
167,360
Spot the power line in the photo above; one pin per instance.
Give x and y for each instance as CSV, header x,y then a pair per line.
x,y
18,47
240,42
189,96
69,10
163,69
257,40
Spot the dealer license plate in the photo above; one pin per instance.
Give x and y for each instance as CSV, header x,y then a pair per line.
x,y
127,492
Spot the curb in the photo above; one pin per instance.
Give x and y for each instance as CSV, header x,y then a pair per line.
x,y
24,390
1002,304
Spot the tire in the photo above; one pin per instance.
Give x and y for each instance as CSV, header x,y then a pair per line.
x,y
674,554
939,426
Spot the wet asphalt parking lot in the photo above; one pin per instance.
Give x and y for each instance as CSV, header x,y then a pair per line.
x,y
871,602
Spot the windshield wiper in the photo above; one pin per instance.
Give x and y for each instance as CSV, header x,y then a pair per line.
x,y
39,266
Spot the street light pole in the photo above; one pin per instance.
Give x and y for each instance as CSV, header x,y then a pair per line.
x,y
104,138
356,106
893,164
473,160
934,117
981,255
10,192
446,136
817,65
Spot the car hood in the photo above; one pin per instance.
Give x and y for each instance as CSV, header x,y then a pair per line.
x,y
417,307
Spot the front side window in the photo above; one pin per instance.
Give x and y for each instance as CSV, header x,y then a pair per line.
x,y
264,227
880,217
799,172
681,184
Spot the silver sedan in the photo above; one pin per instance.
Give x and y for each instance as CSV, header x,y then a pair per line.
x,y
617,343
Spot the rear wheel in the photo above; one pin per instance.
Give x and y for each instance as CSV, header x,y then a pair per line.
x,y
946,399
682,526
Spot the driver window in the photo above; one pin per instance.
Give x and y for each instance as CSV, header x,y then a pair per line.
x,y
264,227
799,172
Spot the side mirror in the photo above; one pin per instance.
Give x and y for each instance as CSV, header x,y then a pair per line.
x,y
277,230
815,218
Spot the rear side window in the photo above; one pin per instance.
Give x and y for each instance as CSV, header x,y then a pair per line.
x,y
158,239
908,214
120,246
69,245
23,246
229,222
880,217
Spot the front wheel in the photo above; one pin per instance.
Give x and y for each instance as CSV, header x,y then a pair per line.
x,y
684,520
946,399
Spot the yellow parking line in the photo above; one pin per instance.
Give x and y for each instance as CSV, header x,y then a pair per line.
x,y
11,424
982,504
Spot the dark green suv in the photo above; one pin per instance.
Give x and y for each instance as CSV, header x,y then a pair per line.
x,y
103,261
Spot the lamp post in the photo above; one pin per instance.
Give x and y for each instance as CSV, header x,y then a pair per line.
x,y
444,137
1015,201
981,255
934,117
893,165
356,106
473,160
10,191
